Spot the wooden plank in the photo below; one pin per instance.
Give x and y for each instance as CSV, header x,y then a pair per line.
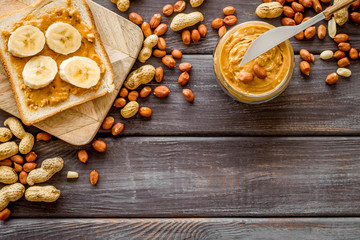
x,y
245,12
308,106
206,177
184,228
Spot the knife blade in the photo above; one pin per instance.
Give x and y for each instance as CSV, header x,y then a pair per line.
x,y
275,36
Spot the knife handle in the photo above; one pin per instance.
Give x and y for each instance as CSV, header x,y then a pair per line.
x,y
340,5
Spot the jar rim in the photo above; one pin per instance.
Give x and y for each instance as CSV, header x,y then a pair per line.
x,y
251,98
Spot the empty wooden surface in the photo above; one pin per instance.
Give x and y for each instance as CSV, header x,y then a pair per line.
x,y
178,228
214,169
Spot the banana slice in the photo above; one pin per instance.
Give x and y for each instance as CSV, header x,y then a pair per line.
x,y
63,38
82,72
39,72
26,41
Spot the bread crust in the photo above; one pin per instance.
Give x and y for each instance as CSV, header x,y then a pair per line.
x,y
24,110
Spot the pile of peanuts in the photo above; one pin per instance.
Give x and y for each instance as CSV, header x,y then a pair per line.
x,y
293,11
153,32
343,55
230,20
355,16
293,15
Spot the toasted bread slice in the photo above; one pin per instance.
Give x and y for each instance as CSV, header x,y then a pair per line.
x,y
29,115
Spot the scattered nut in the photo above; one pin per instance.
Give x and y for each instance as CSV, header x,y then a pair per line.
x,y
94,177
142,75
354,54
195,36
230,10
130,109
133,96
176,54
186,38
145,112
327,54
332,78
123,92
321,31
7,175
159,74
179,6
11,193
169,62
341,37
259,71
43,136
99,145
72,174
245,77
135,18
6,162
183,78
343,62
310,32
8,149
161,91
185,67
161,43
42,194
344,72
230,20
119,102
202,30
344,46
145,92
161,29
108,122
5,134
339,54
155,21
29,166
117,129
17,167
5,214
168,10
23,177
83,156
145,27
222,31
15,126
217,23
305,68
48,168
188,95
269,10
17,159
159,53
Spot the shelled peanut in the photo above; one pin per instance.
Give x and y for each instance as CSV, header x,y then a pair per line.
x,y
343,55
229,20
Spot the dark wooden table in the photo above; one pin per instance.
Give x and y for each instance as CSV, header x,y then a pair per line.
x,y
214,169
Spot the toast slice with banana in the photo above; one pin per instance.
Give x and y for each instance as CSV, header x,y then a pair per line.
x,y
54,58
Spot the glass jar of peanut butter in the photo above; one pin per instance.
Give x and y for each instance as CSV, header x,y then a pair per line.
x,y
260,80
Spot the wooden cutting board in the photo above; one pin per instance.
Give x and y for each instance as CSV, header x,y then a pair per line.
x,y
122,40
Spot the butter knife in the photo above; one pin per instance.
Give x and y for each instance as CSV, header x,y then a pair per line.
x,y
275,36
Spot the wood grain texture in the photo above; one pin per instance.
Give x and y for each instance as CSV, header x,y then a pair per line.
x,y
206,177
307,107
86,118
245,11
184,228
